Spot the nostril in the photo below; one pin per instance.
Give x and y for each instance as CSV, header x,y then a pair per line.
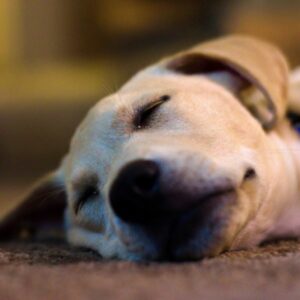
x,y
146,182
249,174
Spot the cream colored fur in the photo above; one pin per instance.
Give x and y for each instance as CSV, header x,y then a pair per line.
x,y
203,131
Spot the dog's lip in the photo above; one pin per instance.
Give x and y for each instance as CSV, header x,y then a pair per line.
x,y
185,229
164,233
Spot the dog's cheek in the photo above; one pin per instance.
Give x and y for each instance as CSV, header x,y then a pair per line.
x,y
239,215
244,219
251,195
91,216
104,243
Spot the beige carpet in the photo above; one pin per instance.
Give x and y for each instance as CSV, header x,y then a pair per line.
x,y
56,271
49,270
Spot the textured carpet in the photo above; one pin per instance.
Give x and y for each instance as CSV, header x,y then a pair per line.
x,y
56,271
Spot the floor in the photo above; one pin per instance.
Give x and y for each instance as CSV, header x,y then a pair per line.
x,y
57,271
53,270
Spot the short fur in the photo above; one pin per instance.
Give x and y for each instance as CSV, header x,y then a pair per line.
x,y
226,114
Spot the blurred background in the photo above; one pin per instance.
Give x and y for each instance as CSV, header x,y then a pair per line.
x,y
58,57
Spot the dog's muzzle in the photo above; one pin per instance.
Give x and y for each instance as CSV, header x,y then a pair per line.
x,y
141,196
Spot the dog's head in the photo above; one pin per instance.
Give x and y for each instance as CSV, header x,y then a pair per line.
x,y
177,163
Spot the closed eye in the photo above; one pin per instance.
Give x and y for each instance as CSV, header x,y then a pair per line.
x,y
87,194
144,114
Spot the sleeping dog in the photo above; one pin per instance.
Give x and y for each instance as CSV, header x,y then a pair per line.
x,y
192,157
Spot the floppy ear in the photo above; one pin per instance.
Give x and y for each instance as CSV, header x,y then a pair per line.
x,y
41,210
294,92
255,63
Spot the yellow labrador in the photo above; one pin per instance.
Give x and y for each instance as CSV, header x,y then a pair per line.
x,y
192,157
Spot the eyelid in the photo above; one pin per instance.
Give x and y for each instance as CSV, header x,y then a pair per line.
x,y
148,106
156,102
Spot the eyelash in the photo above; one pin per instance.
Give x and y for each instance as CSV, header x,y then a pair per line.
x,y
142,118
87,194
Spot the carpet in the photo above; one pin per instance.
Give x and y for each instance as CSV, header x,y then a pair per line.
x,y
54,270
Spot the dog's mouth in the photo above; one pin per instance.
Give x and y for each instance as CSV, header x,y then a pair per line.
x,y
201,231
164,218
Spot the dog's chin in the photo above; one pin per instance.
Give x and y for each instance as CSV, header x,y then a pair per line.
x,y
204,231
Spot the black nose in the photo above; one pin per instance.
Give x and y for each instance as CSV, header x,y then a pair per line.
x,y
135,194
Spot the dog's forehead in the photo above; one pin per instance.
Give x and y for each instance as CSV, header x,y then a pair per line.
x,y
156,80
186,91
109,117
197,101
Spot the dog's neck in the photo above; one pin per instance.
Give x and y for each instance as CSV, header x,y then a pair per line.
x,y
287,139
290,134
